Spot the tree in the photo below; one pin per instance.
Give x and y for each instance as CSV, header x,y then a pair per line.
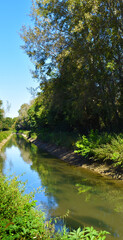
x,y
22,120
7,123
82,42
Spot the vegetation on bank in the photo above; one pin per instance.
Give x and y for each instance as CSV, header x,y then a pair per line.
x,y
4,135
6,123
21,220
100,147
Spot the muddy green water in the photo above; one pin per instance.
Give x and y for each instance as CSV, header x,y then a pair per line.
x,y
91,199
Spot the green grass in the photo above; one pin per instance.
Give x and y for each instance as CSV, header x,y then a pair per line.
x,y
20,220
4,135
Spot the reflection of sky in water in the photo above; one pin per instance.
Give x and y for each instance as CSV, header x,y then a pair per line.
x,y
14,163
90,198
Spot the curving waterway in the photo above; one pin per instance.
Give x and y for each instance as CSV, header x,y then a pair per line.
x,y
91,199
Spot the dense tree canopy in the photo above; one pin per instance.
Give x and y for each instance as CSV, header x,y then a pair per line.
x,y
76,47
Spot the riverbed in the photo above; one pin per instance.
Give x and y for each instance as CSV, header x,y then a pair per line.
x,y
75,195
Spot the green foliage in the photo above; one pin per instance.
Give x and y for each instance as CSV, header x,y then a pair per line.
x,y
112,152
20,220
7,123
60,138
88,233
4,135
76,47
86,144
1,114
102,147
22,121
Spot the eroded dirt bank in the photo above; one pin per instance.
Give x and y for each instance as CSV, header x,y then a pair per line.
x,y
74,159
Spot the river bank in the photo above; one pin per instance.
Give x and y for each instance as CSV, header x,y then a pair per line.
x,y
73,158
2,143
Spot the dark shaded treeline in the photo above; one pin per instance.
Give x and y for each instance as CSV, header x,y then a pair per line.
x,y
76,48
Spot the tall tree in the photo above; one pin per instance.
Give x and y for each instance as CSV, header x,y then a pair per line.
x,y
82,42
22,120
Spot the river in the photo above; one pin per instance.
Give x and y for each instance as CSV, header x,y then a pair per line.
x,y
91,199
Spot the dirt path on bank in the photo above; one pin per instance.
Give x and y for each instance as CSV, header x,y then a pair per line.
x,y
4,141
74,159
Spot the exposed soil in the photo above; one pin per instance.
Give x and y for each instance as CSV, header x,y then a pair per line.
x,y
77,160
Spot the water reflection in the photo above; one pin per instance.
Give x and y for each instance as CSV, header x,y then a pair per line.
x,y
91,199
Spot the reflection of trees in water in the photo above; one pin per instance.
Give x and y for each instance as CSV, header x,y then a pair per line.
x,y
2,159
72,189
55,176
8,144
106,190
91,188
63,182
24,148
31,154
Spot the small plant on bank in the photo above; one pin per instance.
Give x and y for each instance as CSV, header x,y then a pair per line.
x,y
88,233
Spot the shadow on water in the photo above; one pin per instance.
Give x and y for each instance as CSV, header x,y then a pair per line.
x,y
91,199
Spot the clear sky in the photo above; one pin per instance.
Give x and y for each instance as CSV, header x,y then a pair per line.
x,y
15,76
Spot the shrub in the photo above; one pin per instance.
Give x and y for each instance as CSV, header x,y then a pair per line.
x,y
20,220
112,152
102,147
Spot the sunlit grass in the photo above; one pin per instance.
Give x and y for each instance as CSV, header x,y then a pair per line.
x,y
4,135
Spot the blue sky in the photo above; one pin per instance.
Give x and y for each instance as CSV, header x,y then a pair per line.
x,y
15,76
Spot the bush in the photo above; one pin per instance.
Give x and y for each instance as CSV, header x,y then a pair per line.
x,y
112,152
102,147
20,220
